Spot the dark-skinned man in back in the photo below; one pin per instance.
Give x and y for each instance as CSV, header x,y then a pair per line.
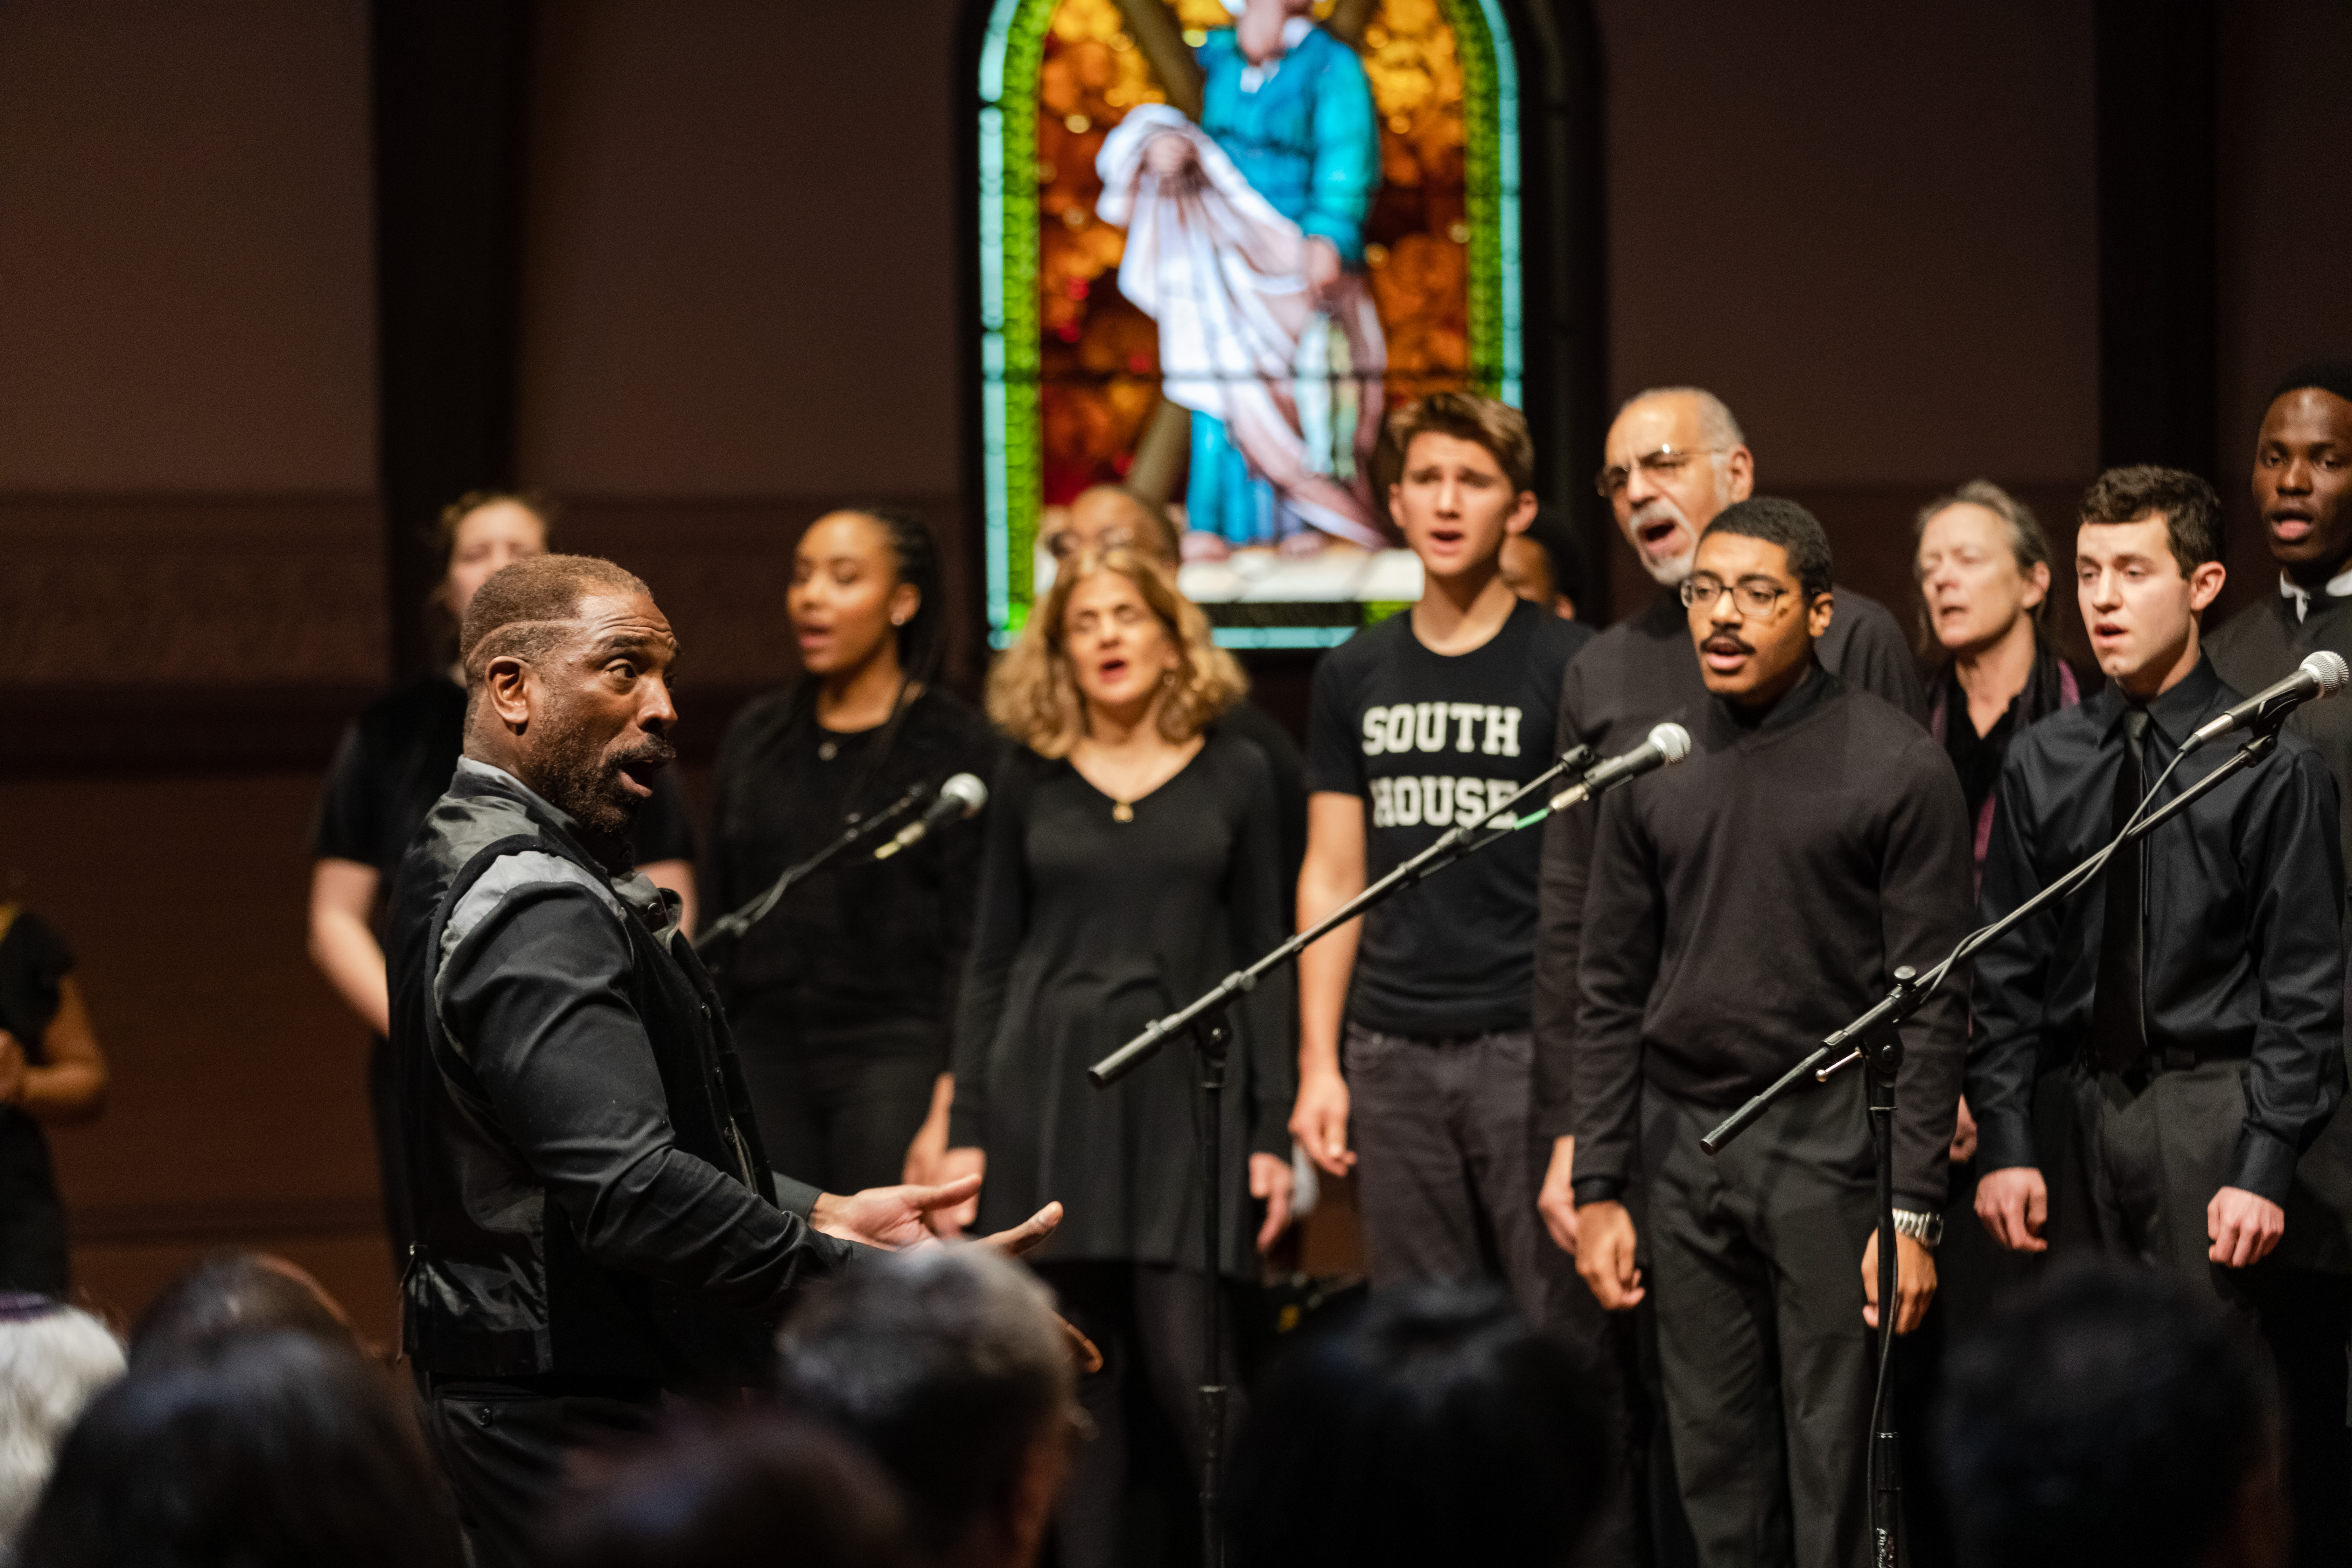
x,y
1743,906
596,1225
2303,490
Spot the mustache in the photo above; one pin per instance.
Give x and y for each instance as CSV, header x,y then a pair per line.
x,y
1659,509
652,749
1724,642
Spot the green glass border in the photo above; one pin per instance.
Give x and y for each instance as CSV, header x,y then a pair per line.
x,y
1012,48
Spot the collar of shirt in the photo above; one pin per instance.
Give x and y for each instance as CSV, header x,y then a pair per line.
x,y
633,886
2338,587
2172,714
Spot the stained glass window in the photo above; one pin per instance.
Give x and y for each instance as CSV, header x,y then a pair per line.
x,y
1214,249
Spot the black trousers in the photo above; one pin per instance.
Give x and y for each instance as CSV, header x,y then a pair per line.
x,y
391,1154
838,1108
2158,1150
502,1448
1620,1354
1756,1268
1151,1323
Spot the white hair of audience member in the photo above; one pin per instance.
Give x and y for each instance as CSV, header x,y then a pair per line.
x,y
53,1359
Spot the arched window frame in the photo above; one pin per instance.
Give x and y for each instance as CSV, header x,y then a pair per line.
x,y
1012,50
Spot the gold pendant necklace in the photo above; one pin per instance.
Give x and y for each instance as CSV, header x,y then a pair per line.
x,y
1121,811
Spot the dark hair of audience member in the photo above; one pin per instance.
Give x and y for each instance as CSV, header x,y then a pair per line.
x,y
262,1450
1433,1426
718,1495
230,1292
949,1367
2105,1419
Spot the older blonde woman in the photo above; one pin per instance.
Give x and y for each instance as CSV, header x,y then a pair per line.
x,y
1131,864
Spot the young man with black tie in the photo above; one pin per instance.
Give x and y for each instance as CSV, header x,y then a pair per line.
x,y
2196,986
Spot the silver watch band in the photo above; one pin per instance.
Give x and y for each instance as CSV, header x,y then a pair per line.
x,y
1927,1229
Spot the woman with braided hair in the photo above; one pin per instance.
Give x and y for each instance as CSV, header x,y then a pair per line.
x,y
840,997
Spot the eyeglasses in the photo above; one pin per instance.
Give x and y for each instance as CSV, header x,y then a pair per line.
x,y
1064,543
1754,596
1663,464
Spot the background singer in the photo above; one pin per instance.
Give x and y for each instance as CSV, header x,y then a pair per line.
x,y
844,1053
2195,992
1130,866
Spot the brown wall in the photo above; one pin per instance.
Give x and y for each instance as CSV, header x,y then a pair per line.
x,y
1870,229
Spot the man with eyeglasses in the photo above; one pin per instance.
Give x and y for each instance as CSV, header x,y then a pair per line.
x,y
1743,906
1675,458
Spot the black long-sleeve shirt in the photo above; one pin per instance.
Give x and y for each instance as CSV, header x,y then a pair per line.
x,y
532,987
1759,897
2243,903
1631,677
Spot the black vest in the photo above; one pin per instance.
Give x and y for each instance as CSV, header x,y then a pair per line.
x,y
495,1284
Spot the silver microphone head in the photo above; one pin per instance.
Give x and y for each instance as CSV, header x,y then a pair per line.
x,y
1674,741
2329,670
967,788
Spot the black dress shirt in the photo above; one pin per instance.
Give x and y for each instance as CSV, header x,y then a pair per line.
x,y
1759,897
2244,894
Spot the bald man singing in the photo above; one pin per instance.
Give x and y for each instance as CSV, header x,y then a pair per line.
x,y
596,1225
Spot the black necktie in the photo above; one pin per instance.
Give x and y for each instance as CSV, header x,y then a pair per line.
x,y
2119,1022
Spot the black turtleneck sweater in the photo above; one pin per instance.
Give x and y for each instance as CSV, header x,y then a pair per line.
x,y
1640,671
1759,897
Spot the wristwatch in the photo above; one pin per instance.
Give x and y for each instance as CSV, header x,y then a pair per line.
x,y
1927,1229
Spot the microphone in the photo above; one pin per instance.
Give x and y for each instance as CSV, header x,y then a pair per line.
x,y
1667,745
2321,675
959,797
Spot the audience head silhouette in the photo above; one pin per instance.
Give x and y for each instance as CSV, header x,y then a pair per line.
x,y
950,1366
1433,1427
2106,1419
266,1450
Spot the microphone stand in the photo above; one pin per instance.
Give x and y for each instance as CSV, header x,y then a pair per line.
x,y
729,927
1211,1029
1874,1041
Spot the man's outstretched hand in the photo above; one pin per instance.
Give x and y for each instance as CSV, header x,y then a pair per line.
x,y
892,1217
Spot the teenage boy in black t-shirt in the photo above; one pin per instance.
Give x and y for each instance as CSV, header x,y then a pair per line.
x,y
1427,720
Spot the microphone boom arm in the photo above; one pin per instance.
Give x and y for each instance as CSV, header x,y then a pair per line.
x,y
1457,842
736,923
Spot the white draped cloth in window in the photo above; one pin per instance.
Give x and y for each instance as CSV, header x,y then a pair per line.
x,y
1224,276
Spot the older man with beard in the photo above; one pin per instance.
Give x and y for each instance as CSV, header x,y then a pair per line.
x,y
1676,458
596,1225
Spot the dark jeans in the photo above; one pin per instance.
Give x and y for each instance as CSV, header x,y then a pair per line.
x,y
1756,1266
2157,1150
1150,1323
502,1448
1444,1138
838,1108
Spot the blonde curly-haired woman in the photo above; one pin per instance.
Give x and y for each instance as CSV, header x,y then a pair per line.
x,y
1130,865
